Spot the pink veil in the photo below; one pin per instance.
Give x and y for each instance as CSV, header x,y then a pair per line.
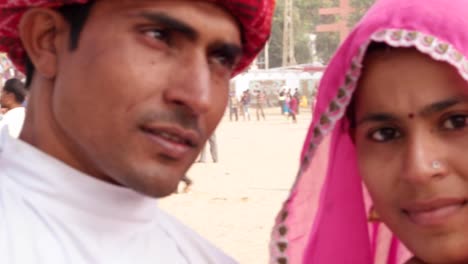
x,y
325,218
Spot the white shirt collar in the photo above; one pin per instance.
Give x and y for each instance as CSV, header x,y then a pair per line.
x,y
37,172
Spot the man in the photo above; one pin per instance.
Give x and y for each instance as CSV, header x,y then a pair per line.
x,y
260,96
123,96
245,100
233,106
12,98
213,150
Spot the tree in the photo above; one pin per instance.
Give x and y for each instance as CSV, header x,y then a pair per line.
x,y
360,8
303,25
306,19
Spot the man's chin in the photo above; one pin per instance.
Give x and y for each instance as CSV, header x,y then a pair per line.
x,y
164,192
157,188
156,180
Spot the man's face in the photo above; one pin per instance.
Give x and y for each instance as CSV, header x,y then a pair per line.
x,y
5,98
144,90
412,141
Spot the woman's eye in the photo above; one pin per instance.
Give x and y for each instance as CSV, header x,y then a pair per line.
x,y
385,134
456,122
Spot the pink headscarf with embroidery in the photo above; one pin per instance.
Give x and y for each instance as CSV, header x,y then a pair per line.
x,y
325,218
255,17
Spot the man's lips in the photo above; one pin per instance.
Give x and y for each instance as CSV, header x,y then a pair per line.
x,y
173,141
434,212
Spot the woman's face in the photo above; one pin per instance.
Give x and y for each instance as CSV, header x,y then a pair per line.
x,y
411,136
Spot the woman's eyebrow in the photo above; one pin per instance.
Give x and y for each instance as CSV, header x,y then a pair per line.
x,y
440,106
428,110
376,118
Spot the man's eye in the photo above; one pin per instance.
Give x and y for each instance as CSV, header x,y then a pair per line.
x,y
159,34
385,134
455,122
224,60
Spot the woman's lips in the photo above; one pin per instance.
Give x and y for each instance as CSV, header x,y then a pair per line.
x,y
434,212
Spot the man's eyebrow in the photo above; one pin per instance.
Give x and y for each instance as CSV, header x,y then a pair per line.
x,y
377,118
442,105
170,23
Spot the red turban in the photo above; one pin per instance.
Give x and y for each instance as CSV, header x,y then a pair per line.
x,y
254,16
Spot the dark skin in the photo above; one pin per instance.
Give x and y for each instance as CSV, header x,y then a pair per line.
x,y
135,102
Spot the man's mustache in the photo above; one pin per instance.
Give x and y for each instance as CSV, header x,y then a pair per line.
x,y
177,117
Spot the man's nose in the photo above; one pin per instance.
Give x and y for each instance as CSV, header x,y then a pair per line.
x,y
192,85
424,160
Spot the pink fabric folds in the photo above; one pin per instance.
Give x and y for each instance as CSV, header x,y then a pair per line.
x,y
324,220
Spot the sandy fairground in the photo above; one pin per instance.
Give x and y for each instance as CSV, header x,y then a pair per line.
x,y
233,203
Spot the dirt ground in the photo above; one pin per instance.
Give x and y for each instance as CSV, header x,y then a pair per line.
x,y
233,203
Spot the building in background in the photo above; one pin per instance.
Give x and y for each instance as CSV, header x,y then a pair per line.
x,y
7,70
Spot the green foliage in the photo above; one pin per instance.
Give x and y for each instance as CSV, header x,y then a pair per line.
x,y
306,19
360,8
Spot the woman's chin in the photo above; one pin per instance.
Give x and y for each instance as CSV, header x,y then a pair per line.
x,y
414,260
442,254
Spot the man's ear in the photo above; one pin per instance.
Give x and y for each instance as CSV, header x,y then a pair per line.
x,y
41,31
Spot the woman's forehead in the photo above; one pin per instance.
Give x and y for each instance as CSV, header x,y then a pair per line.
x,y
405,79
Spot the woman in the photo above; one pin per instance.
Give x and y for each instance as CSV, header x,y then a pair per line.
x,y
281,100
293,108
392,112
286,103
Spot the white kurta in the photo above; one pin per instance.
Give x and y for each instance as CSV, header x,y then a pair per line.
x,y
14,119
51,213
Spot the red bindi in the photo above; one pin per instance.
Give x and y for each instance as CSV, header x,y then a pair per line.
x,y
411,116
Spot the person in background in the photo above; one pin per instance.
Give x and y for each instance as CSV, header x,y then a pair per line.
x,y
287,104
282,101
213,149
188,183
297,95
12,98
245,100
293,108
304,102
259,104
233,107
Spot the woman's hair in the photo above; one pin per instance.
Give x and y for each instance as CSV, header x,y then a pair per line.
x,y
380,48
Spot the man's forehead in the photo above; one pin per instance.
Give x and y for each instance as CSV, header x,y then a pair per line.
x,y
176,7
254,16
149,3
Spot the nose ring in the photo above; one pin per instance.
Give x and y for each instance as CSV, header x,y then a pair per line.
x,y
436,165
